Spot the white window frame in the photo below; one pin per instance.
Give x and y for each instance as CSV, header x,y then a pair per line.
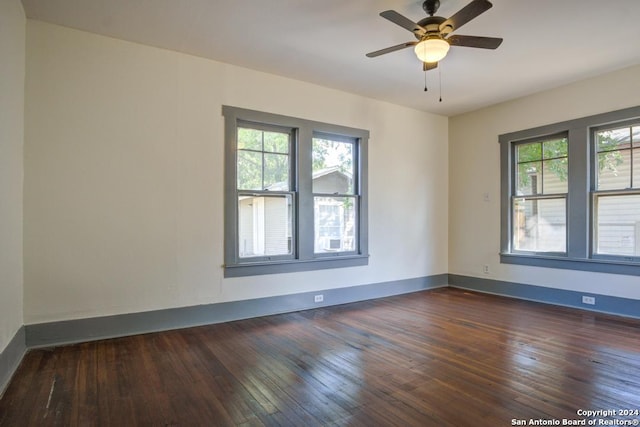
x,y
302,257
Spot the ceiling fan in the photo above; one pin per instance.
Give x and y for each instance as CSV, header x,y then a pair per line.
x,y
433,32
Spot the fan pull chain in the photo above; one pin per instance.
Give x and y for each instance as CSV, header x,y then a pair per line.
x,y
440,81
425,80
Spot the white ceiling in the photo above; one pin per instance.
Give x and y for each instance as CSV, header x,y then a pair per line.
x,y
547,43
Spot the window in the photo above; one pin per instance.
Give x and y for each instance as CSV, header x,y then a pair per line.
x,y
539,205
265,199
295,194
616,193
335,200
571,194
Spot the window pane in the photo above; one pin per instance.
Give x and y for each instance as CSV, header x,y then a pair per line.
x,y
276,142
333,167
276,172
540,225
613,139
334,224
555,175
618,225
528,152
249,139
264,226
527,179
249,170
555,148
263,160
542,167
614,170
636,136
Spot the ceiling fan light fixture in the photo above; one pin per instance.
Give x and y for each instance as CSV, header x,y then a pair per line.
x,y
432,49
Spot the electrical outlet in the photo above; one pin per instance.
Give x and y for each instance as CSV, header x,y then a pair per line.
x,y
485,269
318,298
588,300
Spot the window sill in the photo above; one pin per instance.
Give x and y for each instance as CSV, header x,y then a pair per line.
x,y
611,266
276,267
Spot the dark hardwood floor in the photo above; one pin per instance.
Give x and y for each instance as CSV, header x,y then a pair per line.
x,y
444,357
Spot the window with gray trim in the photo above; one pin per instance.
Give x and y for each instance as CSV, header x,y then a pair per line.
x,y
570,194
616,190
295,194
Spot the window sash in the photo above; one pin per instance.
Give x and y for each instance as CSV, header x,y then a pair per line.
x,y
625,230
629,151
533,172
352,174
262,154
257,240
347,233
520,225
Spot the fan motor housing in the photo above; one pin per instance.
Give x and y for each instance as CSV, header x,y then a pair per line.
x,y
431,24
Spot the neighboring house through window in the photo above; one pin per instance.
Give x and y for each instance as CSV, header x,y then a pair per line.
x,y
571,194
295,194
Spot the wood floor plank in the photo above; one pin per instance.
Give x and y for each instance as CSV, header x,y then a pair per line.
x,y
444,357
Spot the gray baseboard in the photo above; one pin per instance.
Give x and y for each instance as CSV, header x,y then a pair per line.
x,y
90,329
604,303
11,357
95,328
82,330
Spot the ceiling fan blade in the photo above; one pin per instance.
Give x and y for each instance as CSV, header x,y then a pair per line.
x,y
391,49
404,22
466,14
475,41
426,66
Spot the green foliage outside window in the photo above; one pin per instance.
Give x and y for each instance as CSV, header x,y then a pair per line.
x,y
554,153
531,157
263,159
609,143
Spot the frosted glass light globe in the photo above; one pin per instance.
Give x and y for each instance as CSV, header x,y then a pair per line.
x,y
431,50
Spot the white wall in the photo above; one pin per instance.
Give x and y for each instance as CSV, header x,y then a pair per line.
x,y
12,69
124,167
474,224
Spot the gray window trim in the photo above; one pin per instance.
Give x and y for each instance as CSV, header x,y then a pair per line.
x,y
303,258
579,197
